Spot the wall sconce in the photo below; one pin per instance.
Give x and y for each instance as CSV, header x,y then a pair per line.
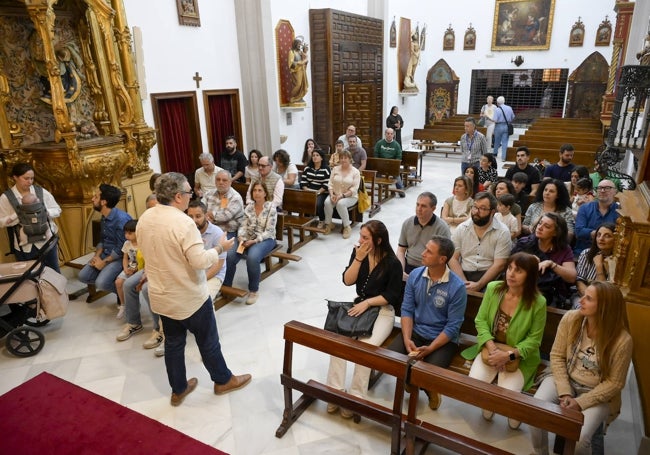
x,y
518,60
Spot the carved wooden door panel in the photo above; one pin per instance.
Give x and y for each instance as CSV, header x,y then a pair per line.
x,y
359,109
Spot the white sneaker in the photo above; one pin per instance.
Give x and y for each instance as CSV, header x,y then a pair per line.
x,y
153,341
120,312
160,350
127,331
252,298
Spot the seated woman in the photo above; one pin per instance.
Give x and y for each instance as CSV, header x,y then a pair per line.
x,y
377,275
343,189
513,313
252,171
487,171
289,172
472,173
457,208
589,361
551,196
316,177
255,239
592,263
578,172
310,146
557,271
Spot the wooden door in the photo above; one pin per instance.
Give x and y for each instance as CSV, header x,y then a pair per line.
x,y
359,109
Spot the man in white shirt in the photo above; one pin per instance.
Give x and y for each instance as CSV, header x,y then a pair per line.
x,y
204,176
351,131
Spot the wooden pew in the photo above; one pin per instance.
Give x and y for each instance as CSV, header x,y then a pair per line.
x,y
226,295
387,172
544,144
389,362
540,414
437,142
582,157
300,215
410,163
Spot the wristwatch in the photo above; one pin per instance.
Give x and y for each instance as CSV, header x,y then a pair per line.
x,y
512,355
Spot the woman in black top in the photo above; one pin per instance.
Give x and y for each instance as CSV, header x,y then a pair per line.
x,y
396,122
377,275
315,177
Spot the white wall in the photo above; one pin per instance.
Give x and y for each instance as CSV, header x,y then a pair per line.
x,y
172,53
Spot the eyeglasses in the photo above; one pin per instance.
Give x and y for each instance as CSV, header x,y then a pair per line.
x,y
190,192
263,165
604,188
482,209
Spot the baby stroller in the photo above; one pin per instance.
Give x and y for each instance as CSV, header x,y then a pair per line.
x,y
33,294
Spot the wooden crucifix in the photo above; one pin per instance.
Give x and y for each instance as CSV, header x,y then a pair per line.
x,y
197,78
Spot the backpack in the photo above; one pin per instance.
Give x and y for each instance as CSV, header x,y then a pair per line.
x,y
32,218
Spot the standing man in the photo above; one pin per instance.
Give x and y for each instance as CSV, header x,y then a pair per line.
x,y
473,145
106,264
359,155
418,230
271,180
204,176
482,245
503,114
225,206
351,131
523,157
176,261
487,114
594,213
390,149
433,310
234,160
564,167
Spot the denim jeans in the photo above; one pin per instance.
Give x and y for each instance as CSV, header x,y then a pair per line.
x,y
254,255
500,139
133,298
51,259
203,326
104,279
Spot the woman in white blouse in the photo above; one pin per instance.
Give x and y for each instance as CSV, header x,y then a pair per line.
x,y
343,188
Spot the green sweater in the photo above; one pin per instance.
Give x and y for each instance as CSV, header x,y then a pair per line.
x,y
524,332
391,150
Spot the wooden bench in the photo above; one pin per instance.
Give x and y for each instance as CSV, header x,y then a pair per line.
x,y
369,178
299,208
387,172
381,359
411,171
581,157
547,416
226,295
437,142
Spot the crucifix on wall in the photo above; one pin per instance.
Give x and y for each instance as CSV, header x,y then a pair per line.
x,y
197,78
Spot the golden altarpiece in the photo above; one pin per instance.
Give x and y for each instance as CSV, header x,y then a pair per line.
x,y
70,106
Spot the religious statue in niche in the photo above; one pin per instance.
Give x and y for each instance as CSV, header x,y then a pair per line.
x,y
577,36
298,67
414,60
69,64
393,34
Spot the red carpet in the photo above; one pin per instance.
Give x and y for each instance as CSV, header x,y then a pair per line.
x,y
47,415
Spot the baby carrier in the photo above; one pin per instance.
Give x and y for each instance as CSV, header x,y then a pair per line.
x,y
32,218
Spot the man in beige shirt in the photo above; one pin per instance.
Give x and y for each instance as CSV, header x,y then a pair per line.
x,y
175,263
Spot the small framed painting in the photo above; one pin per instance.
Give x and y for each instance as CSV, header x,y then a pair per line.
x,y
577,36
449,39
188,12
469,43
604,33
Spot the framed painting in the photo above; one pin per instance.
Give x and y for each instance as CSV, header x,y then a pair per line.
x,y
469,42
188,12
577,35
522,25
604,33
449,39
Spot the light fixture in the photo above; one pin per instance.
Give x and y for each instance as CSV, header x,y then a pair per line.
x,y
518,60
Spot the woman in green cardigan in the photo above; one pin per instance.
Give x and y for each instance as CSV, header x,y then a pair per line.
x,y
513,313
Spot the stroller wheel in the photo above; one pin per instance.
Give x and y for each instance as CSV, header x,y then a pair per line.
x,y
25,341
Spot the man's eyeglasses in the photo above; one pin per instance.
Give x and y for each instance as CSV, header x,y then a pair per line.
x,y
481,209
263,165
604,188
190,192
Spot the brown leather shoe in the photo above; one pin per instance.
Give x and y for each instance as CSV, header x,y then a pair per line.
x,y
234,383
177,398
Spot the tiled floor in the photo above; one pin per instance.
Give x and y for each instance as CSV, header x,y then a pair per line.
x,y
81,348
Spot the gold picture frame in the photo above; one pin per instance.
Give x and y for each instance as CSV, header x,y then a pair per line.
x,y
604,33
577,35
188,12
469,42
449,39
521,25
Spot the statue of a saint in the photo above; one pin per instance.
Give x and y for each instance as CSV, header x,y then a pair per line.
x,y
409,78
298,67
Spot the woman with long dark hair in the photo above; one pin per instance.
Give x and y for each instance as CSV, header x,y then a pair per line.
x,y
310,146
592,263
551,196
513,313
316,177
589,361
376,273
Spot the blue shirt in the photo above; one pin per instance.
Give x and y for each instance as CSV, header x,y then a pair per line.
x,y
563,173
435,307
210,239
112,233
499,114
588,220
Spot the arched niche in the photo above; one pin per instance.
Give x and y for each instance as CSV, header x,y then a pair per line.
x,y
587,85
442,92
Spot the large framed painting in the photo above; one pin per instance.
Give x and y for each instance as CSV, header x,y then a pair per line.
x,y
522,25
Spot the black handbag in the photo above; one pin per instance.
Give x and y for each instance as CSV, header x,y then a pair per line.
x,y
511,129
338,320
